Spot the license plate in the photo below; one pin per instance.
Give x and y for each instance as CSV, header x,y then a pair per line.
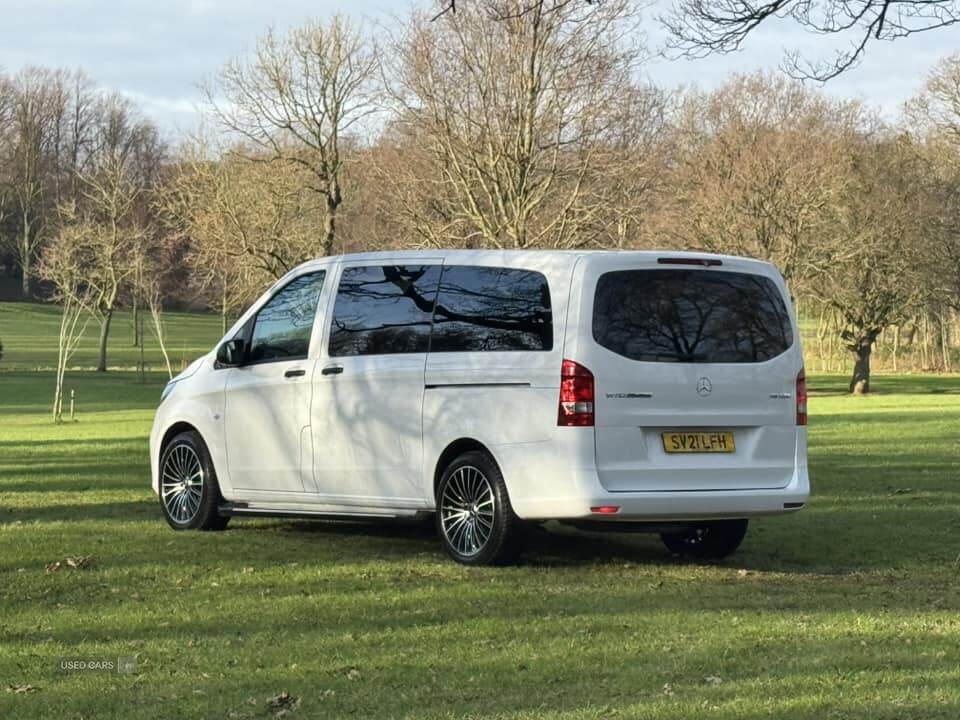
x,y
698,442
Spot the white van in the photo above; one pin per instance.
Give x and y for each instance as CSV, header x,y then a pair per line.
x,y
658,391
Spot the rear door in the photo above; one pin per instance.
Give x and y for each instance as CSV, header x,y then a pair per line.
x,y
368,390
695,372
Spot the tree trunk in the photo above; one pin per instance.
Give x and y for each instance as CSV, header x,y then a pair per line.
x,y
26,268
137,340
223,309
330,226
860,382
104,333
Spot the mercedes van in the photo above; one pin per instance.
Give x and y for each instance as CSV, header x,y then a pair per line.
x,y
624,391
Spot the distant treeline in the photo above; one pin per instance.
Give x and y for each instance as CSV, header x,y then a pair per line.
x,y
470,130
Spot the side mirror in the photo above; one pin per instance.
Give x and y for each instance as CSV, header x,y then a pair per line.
x,y
230,353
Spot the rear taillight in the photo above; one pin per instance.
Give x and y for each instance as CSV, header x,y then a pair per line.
x,y
576,395
801,398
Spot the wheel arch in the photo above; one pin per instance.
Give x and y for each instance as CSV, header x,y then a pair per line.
x,y
172,431
455,449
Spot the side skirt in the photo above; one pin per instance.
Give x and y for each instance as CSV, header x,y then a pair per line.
x,y
292,510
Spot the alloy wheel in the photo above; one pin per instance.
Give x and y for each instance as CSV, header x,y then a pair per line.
x,y
182,483
467,510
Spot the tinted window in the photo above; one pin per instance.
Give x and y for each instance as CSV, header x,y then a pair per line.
x,y
691,316
490,308
383,310
282,328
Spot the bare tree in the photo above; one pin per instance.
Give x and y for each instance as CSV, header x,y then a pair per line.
x,y
110,193
515,116
30,161
6,149
875,283
66,265
298,98
937,107
756,169
934,115
702,27
246,222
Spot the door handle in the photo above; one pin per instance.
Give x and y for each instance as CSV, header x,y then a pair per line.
x,y
294,373
332,370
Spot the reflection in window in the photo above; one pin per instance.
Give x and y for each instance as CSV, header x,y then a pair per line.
x,y
690,316
383,310
492,309
283,325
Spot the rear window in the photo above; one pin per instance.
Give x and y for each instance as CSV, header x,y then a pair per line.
x,y
492,309
690,316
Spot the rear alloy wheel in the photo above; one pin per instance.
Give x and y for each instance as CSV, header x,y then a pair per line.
x,y
189,493
708,541
475,520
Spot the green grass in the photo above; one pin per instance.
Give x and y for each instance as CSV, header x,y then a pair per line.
x,y
846,610
29,334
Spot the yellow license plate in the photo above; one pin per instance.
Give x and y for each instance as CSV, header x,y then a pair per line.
x,y
698,442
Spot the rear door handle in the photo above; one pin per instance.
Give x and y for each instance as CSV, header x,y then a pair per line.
x,y
294,373
332,370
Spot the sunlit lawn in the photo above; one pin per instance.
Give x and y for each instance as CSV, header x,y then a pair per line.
x,y
29,334
846,610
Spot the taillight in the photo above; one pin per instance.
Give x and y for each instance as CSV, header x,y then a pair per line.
x,y
801,398
576,395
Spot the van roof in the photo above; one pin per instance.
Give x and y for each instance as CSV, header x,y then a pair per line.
x,y
476,257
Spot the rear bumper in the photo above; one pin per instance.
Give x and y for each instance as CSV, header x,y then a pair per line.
x,y
554,488
670,506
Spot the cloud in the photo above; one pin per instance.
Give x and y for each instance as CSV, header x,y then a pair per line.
x,y
158,52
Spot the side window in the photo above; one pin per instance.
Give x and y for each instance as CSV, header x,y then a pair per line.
x,y
383,310
281,330
492,309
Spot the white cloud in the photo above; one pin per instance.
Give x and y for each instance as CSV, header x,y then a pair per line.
x,y
158,52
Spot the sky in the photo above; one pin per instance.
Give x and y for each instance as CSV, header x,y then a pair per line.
x,y
157,52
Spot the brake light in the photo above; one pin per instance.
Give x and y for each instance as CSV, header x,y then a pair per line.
x,y
605,509
702,262
576,396
801,398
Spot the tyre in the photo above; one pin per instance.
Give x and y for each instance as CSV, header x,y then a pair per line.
x,y
475,520
708,541
189,493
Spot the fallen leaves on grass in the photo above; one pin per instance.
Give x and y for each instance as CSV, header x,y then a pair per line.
x,y
77,562
21,689
283,704
354,674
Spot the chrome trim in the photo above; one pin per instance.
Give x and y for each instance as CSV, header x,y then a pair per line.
x,y
437,386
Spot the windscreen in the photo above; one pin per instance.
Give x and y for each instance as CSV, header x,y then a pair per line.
x,y
690,316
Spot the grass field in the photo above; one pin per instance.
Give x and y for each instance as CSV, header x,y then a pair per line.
x,y
846,610
29,335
